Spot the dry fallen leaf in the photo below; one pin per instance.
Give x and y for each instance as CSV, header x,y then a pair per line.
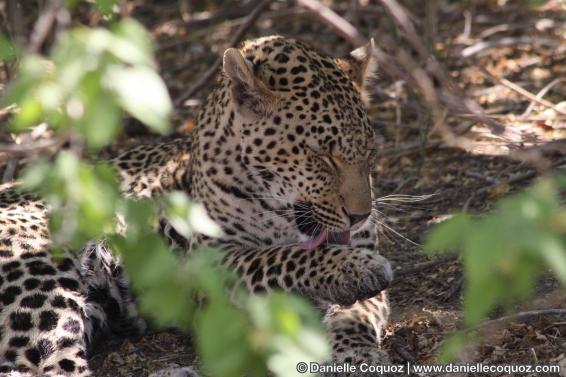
x,y
187,126
498,190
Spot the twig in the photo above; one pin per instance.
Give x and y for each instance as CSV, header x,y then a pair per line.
x,y
525,93
10,170
340,25
499,28
468,21
454,289
431,29
15,30
550,146
43,25
15,151
15,24
519,316
420,267
124,9
228,13
521,177
25,149
508,41
448,194
418,146
481,176
279,15
541,94
527,118
252,18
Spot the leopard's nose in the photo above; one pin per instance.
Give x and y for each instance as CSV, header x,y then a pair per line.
x,y
356,218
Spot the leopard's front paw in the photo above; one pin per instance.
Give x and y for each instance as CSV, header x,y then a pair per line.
x,y
362,274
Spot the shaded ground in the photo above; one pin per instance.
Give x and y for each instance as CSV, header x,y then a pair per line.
x,y
526,46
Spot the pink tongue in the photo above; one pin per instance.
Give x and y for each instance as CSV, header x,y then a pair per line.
x,y
314,242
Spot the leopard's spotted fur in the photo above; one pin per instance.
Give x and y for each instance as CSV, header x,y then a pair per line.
x,y
282,153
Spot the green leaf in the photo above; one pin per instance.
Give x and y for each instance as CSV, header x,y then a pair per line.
x,y
534,3
207,274
106,7
201,222
82,198
554,253
71,4
186,216
161,285
32,69
139,214
290,329
233,356
448,234
101,121
142,93
30,114
284,362
50,96
452,347
480,296
33,176
131,43
7,49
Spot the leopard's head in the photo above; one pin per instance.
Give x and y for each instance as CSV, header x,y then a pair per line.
x,y
304,130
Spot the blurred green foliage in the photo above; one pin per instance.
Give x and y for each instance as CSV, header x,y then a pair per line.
x,y
504,252
82,90
7,49
92,75
83,197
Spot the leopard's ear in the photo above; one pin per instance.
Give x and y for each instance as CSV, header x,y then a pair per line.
x,y
249,93
359,65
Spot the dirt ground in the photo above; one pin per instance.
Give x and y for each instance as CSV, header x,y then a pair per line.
x,y
525,45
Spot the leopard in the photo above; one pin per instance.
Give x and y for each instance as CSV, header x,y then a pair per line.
x,y
280,158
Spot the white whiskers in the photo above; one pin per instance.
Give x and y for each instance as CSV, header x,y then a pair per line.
x,y
393,202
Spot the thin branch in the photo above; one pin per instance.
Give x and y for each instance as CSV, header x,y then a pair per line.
x,y
523,92
15,24
14,150
431,25
277,15
404,22
10,170
420,267
507,41
44,25
521,316
342,27
541,94
408,148
207,76
124,9
204,19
